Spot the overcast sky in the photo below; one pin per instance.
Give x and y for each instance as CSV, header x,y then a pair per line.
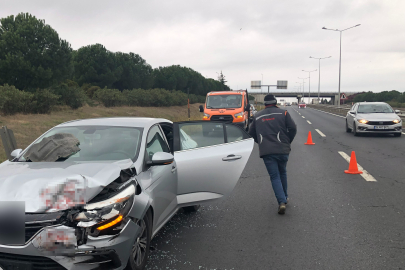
x,y
244,39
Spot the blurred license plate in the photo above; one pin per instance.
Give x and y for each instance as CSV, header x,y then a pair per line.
x,y
380,127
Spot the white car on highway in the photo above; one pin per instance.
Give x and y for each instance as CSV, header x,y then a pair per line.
x,y
373,117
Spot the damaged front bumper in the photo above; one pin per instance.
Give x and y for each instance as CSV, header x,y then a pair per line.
x,y
102,252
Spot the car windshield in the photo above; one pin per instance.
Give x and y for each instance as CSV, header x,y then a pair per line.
x,y
85,143
374,108
224,101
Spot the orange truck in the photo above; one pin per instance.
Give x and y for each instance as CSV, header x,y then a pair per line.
x,y
229,106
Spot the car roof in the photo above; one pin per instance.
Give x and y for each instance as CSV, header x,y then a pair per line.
x,y
373,103
225,93
143,122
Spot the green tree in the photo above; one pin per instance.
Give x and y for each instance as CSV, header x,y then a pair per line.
x,y
95,65
136,73
221,79
31,53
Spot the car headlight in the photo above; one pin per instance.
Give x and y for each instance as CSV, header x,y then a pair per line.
x,y
397,121
103,216
206,116
363,121
239,115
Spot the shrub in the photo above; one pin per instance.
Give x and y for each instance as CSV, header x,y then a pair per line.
x,y
154,97
14,101
70,94
43,101
109,97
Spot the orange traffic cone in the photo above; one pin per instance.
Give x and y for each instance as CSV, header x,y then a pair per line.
x,y
309,140
353,169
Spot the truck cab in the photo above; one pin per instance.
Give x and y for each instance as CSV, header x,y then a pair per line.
x,y
227,106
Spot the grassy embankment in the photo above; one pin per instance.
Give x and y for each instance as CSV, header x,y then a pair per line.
x,y
28,127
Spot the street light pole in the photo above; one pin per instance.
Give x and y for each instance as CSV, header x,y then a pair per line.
x,y
319,76
303,87
340,52
309,93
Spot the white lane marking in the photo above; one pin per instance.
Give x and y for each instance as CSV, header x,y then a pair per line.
x,y
368,177
303,116
403,133
299,113
320,133
309,122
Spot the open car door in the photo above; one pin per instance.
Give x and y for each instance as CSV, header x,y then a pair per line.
x,y
210,157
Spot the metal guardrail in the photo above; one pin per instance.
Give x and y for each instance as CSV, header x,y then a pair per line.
x,y
343,109
8,139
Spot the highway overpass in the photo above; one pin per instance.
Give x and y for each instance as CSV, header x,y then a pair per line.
x,y
334,96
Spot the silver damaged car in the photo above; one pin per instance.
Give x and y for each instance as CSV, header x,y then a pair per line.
x,y
91,194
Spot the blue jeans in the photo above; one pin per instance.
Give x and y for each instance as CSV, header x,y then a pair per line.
x,y
277,167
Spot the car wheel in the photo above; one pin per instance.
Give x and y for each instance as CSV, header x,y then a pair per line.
x,y
348,130
397,134
355,130
191,209
140,249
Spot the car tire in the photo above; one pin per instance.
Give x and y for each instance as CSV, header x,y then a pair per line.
x,y
191,209
355,130
397,134
140,250
348,130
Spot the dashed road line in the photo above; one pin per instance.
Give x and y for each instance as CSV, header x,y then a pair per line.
x,y
368,177
309,122
303,116
320,133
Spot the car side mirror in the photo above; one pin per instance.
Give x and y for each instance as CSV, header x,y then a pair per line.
x,y
397,111
201,108
161,158
352,112
15,153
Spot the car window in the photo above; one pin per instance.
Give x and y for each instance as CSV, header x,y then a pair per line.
x,y
96,143
234,133
353,108
375,108
195,135
155,143
224,101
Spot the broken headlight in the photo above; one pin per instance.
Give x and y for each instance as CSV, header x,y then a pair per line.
x,y
107,216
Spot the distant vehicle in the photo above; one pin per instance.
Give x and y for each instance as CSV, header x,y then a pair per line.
x,y
302,105
253,111
287,104
227,106
373,117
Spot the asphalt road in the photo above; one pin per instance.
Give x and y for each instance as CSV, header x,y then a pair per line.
x,y
333,221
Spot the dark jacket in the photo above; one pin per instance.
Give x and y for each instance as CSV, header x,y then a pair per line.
x,y
274,130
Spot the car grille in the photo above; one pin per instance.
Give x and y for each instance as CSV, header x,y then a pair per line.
x,y
38,263
222,118
376,123
35,222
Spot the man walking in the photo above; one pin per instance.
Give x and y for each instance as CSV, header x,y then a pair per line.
x,y
274,130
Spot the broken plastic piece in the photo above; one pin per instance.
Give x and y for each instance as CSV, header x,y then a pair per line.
x,y
52,148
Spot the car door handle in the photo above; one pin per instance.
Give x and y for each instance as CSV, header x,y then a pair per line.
x,y
231,157
174,169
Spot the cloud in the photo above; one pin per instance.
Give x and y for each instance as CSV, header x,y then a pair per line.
x,y
276,39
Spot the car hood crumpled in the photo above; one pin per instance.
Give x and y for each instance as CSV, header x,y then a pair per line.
x,y
23,181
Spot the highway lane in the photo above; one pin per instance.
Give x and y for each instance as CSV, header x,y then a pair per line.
x,y
334,220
